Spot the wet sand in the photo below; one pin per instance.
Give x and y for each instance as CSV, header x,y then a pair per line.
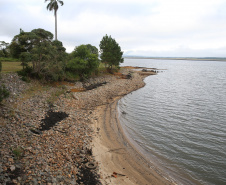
x,y
119,162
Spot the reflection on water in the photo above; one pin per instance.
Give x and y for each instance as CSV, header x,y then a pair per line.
x,y
179,118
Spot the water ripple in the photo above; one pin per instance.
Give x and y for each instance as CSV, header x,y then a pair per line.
x,y
179,118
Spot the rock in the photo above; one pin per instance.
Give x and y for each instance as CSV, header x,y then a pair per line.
x,y
12,167
19,179
10,160
29,148
61,151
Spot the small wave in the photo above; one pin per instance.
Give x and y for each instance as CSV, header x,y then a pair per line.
x,y
179,117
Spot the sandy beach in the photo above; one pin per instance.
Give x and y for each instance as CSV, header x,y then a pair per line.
x,y
114,153
119,162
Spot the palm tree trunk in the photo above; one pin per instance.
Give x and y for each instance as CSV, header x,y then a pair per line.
x,y
55,24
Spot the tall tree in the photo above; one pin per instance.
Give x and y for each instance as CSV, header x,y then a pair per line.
x,y
53,6
47,56
110,52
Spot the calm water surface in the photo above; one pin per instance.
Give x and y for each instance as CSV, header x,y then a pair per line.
x,y
178,119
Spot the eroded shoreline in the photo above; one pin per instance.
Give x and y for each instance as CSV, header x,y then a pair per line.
x,y
90,132
114,151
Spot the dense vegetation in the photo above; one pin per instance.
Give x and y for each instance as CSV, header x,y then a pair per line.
x,y
3,49
46,59
83,61
43,58
38,48
4,93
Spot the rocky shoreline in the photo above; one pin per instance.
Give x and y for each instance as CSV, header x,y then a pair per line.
x,y
61,154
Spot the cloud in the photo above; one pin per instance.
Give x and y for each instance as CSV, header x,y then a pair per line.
x,y
144,27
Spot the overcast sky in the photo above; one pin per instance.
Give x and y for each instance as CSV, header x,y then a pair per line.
x,y
169,28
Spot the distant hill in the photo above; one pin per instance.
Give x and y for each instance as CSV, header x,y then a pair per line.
x,y
176,58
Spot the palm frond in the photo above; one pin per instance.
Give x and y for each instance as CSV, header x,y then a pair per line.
x,y
61,2
53,4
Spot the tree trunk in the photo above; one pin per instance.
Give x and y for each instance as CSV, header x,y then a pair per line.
x,y
55,24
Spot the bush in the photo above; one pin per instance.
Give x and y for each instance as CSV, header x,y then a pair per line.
x,y
25,79
25,72
18,152
71,76
53,72
4,93
83,62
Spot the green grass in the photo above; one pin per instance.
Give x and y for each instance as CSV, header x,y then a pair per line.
x,y
14,66
3,59
11,67
17,152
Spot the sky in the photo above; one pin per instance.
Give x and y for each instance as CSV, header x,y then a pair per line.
x,y
156,28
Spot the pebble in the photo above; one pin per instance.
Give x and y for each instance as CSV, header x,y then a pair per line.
x,y
12,168
54,156
10,160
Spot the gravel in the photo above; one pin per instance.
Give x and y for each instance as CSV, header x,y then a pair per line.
x,y
58,154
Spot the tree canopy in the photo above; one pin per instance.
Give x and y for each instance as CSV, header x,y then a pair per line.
x,y
83,61
26,41
4,49
47,56
43,57
111,53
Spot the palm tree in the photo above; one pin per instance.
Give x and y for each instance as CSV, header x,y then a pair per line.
x,y
53,5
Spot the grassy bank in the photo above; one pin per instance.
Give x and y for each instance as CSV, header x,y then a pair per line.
x,y
11,67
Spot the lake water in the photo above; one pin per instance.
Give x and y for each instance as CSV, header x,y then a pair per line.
x,y
178,120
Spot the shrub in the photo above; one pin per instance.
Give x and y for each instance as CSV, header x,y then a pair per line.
x,y
83,62
25,73
4,93
18,152
25,79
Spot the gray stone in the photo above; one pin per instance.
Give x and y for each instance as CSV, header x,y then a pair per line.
x,y
12,167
